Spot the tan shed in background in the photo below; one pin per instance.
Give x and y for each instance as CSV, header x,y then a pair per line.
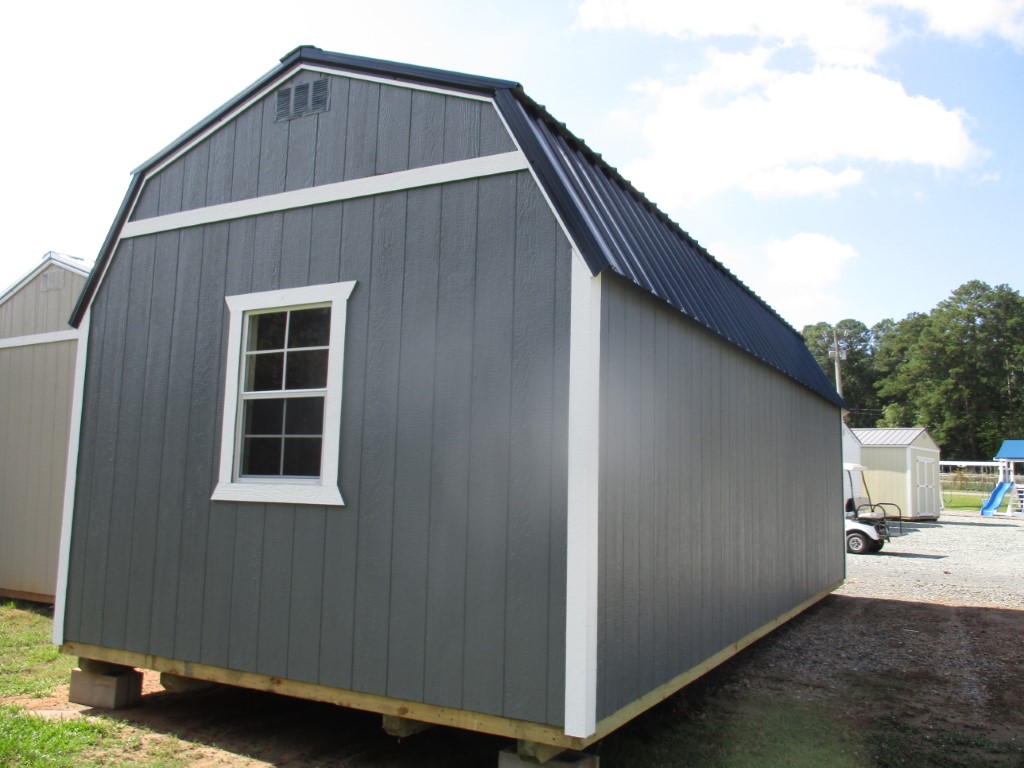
x,y
902,467
37,366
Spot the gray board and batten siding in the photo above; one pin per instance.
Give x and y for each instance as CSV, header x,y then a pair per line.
x,y
713,472
445,579
37,365
455,388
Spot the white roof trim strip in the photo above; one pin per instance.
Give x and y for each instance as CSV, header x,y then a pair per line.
x,y
460,170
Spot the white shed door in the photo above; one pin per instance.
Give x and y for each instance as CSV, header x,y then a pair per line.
x,y
925,496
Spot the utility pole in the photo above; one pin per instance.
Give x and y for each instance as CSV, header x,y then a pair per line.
x,y
838,355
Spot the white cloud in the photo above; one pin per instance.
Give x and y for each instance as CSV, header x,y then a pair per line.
x,y
741,125
848,32
801,277
790,182
838,31
972,19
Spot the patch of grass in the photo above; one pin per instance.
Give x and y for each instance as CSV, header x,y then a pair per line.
x,y
30,665
897,744
967,502
27,741
757,732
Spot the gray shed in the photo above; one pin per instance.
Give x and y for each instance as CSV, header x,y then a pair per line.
x,y
399,397
37,365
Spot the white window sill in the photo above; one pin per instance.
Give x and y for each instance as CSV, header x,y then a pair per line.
x,y
279,493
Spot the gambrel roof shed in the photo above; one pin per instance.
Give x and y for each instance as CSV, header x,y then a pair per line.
x,y
398,396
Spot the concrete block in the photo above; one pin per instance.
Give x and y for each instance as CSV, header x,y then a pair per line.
x,y
509,758
110,691
402,727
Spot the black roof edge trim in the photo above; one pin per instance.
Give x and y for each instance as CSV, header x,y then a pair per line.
x,y
596,158
508,103
105,254
396,70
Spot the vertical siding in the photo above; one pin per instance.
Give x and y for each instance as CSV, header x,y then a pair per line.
x,y
35,406
442,578
39,308
370,128
720,496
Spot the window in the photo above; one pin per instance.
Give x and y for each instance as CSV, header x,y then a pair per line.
x,y
282,396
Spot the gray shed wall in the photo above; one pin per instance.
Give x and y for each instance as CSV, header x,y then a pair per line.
x,y
443,579
370,129
720,495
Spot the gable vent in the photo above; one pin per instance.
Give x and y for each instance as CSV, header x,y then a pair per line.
x,y
303,99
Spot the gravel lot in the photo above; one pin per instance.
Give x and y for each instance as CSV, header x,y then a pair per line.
x,y
963,559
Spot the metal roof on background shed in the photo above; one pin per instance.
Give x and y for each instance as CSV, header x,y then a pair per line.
x,y
896,437
614,225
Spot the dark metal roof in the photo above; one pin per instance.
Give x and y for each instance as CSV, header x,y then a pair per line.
x,y
614,225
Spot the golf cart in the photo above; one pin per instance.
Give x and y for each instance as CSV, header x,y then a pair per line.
x,y
867,528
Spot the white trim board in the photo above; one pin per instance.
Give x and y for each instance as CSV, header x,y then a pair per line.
x,y
70,481
38,338
581,597
444,173
325,488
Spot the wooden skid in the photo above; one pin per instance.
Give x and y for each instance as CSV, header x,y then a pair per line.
x,y
432,713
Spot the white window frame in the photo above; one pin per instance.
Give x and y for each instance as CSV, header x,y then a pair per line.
x,y
323,490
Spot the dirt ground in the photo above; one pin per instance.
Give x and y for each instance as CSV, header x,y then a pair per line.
x,y
926,664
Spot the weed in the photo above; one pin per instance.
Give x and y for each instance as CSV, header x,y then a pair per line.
x,y
28,741
30,665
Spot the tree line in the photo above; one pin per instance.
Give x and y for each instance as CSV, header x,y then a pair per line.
x,y
958,370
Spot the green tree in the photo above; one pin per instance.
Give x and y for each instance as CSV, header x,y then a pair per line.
x,y
857,367
956,371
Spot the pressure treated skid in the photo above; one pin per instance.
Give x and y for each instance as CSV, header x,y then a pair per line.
x,y
411,710
546,387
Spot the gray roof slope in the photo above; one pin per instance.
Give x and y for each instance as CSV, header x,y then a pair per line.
x,y
890,436
611,222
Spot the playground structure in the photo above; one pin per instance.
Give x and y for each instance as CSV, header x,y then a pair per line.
x,y
1010,453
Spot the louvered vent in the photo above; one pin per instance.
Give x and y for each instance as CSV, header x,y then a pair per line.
x,y
320,93
303,99
52,281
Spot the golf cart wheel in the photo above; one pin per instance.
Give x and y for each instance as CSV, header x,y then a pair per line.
x,y
857,543
876,546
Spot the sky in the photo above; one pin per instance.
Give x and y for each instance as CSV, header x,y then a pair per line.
x,y
844,158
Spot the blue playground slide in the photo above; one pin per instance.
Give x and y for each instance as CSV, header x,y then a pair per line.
x,y
996,499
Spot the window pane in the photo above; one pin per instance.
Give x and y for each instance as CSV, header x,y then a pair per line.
x,y
262,456
307,369
263,372
264,417
302,456
305,416
267,331
310,328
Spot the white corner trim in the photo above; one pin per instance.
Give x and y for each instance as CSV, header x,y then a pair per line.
x,y
38,338
70,480
459,170
581,598
324,491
